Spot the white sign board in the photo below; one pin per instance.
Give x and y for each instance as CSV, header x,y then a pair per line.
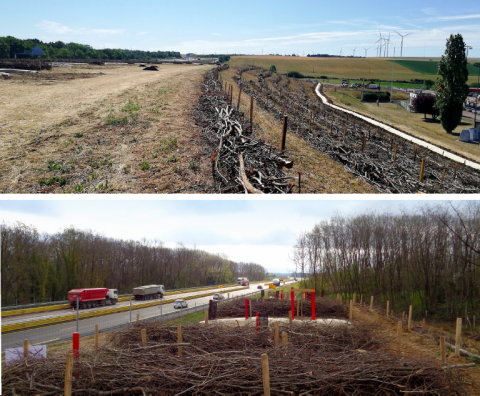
x,y
13,355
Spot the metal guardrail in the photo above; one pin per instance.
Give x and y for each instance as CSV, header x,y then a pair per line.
x,y
89,314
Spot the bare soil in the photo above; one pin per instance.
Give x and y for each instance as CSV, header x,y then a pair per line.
x,y
87,129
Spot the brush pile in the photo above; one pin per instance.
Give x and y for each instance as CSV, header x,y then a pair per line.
x,y
324,308
241,163
389,163
25,64
226,361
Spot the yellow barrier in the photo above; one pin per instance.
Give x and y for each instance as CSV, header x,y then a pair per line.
x,y
64,306
88,314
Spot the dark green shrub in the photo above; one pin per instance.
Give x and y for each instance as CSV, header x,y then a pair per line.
x,y
295,74
373,96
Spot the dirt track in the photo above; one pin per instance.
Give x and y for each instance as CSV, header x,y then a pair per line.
x,y
91,129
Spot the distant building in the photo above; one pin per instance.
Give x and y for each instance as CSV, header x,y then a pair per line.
x,y
37,51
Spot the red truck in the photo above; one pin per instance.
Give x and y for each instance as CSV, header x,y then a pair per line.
x,y
90,298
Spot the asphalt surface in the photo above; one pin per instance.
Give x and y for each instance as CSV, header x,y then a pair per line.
x,y
63,331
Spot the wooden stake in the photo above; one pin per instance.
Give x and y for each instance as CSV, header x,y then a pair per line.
x,y
284,131
25,348
284,339
277,335
399,333
443,349
144,337
96,338
409,326
138,317
395,153
67,390
239,96
251,114
350,316
422,169
179,334
265,375
364,142
371,303
443,175
206,318
388,307
403,315
361,299
458,337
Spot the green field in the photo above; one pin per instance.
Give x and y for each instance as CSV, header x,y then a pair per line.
x,y
351,68
431,67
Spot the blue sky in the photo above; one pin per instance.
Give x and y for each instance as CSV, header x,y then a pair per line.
x,y
247,26
257,231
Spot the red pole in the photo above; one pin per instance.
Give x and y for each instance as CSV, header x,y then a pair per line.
x,y
306,295
246,308
292,302
76,344
257,321
313,304
281,296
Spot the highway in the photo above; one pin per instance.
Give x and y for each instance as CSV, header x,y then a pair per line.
x,y
63,331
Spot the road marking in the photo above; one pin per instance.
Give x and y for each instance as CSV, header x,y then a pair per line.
x,y
38,343
68,328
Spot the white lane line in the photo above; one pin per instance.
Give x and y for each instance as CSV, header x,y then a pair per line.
x,y
404,135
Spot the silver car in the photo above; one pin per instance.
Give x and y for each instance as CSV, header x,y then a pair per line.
x,y
218,296
180,304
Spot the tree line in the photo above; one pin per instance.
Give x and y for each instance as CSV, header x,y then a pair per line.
x,y
9,46
428,257
43,267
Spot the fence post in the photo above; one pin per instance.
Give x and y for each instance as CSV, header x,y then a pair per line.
x,y
443,175
388,308
138,317
399,332
179,330
206,318
292,303
144,337
284,132
364,143
458,337
67,389
371,303
239,96
443,349
422,169
25,348
410,309
76,344
395,153
96,338
284,339
313,304
265,375
277,335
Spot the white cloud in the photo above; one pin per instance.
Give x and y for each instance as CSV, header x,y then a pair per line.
x,y
453,18
58,28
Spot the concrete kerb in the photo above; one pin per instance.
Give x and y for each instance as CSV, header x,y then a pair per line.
x,y
402,134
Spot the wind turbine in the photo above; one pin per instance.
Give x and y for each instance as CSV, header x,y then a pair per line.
x,y
366,49
354,51
401,45
387,42
341,52
378,47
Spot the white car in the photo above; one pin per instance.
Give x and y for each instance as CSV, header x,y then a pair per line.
x,y
218,296
180,304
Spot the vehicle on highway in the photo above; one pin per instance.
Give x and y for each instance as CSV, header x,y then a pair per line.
x,y
243,281
276,282
180,304
148,292
218,296
260,287
94,297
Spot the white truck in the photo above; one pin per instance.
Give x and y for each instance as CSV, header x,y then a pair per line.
x,y
148,292
276,282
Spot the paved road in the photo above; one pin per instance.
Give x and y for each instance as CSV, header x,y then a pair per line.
x,y
59,332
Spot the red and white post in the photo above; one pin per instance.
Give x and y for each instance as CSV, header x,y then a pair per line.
x,y
313,304
76,345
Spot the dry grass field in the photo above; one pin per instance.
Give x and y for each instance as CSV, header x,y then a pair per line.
x,y
353,68
88,129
